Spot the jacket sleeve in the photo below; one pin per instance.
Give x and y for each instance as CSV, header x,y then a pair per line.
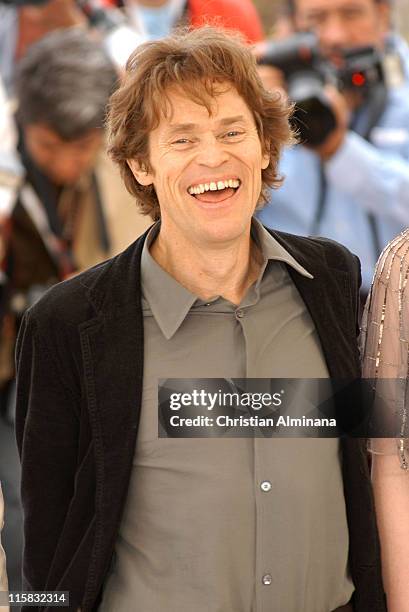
x,y
47,429
378,180
357,284
337,253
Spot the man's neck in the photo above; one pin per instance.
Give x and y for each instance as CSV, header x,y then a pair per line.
x,y
208,272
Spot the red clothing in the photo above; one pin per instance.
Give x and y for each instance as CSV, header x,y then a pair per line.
x,y
238,15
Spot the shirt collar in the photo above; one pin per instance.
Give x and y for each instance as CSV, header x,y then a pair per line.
x,y
170,302
272,249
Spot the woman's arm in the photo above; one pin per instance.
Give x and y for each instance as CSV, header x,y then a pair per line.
x,y
385,352
391,490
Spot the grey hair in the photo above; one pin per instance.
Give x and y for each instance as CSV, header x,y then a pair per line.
x,y
64,81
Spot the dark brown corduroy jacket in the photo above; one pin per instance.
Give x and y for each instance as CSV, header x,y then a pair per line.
x,y
80,370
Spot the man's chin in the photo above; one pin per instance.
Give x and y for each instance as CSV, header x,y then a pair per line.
x,y
226,231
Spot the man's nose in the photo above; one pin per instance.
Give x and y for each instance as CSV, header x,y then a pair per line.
x,y
212,153
334,34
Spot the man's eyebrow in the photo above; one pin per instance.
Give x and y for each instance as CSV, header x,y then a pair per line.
x,y
189,127
230,120
181,127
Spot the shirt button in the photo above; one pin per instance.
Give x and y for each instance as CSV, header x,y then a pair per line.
x,y
266,486
267,579
240,313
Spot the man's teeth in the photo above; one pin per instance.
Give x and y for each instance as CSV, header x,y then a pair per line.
x,y
202,187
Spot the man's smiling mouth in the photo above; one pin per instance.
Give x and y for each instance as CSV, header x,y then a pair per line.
x,y
214,191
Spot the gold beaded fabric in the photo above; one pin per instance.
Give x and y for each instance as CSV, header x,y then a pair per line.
x,y
385,345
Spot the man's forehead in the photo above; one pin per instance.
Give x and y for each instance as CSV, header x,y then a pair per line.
x,y
220,121
224,107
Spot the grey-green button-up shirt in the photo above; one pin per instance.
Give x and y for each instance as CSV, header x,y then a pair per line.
x,y
239,524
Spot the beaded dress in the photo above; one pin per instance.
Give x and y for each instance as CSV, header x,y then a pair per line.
x,y
385,345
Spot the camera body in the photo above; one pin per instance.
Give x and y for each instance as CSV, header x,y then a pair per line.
x,y
307,73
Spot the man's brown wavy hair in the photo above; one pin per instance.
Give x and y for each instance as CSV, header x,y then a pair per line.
x,y
197,62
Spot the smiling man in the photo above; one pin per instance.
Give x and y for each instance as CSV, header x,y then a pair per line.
x,y
116,514
207,175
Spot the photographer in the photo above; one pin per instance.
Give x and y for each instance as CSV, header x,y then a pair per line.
x,y
352,185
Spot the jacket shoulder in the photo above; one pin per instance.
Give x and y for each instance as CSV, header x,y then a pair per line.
x,y
335,255
75,300
338,255
67,301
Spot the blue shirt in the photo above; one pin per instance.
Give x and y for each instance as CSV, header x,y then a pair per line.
x,y
362,177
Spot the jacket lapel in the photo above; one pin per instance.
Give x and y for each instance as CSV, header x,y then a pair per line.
x,y
112,347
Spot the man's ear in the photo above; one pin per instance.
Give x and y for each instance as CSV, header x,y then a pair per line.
x,y
265,160
143,176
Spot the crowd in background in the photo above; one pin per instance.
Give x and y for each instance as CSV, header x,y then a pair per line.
x,y
63,206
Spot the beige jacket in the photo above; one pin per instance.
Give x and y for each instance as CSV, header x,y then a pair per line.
x,y
124,221
3,575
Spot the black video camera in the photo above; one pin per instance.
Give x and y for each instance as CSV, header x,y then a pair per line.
x,y
307,72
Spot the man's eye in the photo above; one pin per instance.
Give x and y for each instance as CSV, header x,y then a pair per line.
x,y
181,141
233,133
